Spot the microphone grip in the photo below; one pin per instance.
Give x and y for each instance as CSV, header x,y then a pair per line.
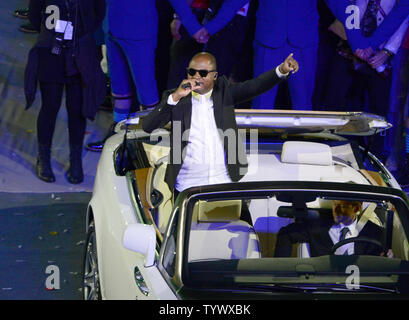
x,y
187,85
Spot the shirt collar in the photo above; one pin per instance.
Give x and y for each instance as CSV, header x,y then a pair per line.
x,y
351,227
198,96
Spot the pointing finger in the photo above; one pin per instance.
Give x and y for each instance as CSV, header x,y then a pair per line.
x,y
290,56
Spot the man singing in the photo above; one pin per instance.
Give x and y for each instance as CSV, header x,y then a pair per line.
x,y
204,104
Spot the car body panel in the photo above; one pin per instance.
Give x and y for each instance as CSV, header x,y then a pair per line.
x,y
112,211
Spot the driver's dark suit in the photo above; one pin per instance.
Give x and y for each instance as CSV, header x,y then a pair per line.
x,y
316,233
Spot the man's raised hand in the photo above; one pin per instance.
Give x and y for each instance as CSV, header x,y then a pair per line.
x,y
289,65
184,89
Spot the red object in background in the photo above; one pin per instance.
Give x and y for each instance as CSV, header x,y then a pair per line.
x,y
200,4
405,42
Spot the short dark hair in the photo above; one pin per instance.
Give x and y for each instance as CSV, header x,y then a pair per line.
x,y
209,56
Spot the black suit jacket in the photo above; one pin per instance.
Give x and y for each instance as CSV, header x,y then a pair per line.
x,y
315,232
40,66
225,96
92,14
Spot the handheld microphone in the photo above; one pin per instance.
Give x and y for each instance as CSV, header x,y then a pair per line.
x,y
188,85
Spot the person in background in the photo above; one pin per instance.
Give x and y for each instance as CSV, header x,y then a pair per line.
x,y
348,69
65,56
131,44
362,45
283,27
162,61
131,41
327,50
354,77
224,30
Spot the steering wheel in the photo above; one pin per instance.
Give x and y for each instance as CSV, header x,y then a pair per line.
x,y
357,239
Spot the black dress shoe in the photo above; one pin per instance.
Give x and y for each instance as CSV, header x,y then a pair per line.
x,y
96,146
21,13
28,28
44,172
99,145
43,165
75,174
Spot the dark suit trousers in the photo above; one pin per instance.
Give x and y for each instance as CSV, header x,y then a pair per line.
x,y
399,93
51,96
300,85
349,90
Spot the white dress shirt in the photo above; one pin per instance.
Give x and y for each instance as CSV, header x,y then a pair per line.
x,y
335,233
204,157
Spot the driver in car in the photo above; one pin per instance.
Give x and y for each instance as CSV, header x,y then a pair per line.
x,y
323,233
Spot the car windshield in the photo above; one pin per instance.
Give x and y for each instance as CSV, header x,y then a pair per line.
x,y
296,238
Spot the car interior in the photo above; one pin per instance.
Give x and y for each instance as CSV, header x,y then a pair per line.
x,y
224,250
217,231
294,160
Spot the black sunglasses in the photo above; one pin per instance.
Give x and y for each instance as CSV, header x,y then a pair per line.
x,y
202,73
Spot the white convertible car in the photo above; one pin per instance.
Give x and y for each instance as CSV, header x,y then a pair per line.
x,y
220,241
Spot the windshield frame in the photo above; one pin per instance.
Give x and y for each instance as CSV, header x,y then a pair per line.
x,y
262,189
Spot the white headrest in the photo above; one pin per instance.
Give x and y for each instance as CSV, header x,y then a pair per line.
x,y
303,152
155,153
217,211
